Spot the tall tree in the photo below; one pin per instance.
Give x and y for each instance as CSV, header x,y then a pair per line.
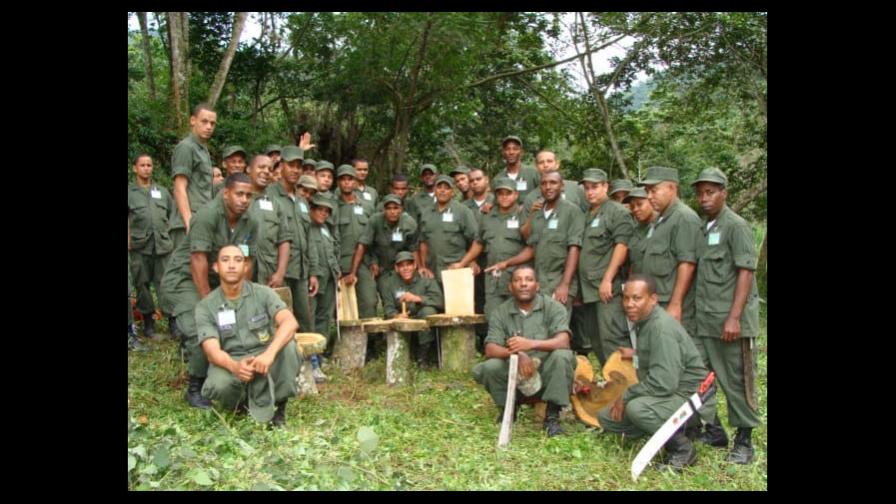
x,y
147,55
220,77
178,35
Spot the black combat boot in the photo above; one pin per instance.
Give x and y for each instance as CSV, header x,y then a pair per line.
x,y
279,419
742,451
149,326
680,453
714,435
552,420
194,393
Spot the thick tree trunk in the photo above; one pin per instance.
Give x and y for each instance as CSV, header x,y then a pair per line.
x,y
215,92
147,55
179,70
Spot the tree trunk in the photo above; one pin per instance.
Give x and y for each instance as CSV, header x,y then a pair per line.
x,y
215,92
179,70
762,268
147,55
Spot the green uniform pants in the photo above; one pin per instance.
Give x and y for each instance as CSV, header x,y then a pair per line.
x,y
197,362
557,370
365,289
581,323
425,337
177,236
645,415
689,322
147,270
323,306
301,307
612,329
727,361
222,386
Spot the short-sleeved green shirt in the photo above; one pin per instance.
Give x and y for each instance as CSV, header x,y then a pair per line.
x,y
419,204
384,243
150,212
353,219
636,247
527,179
726,247
547,318
324,253
255,311
368,194
500,236
572,192
191,158
672,240
273,228
393,287
610,225
449,234
551,238
297,267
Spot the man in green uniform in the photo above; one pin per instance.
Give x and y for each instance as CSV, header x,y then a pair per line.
x,y
362,170
644,215
525,177
151,209
233,159
308,167
298,220
354,213
531,325
554,236
448,232
389,232
422,297
188,278
191,166
728,311
246,332
546,161
481,198
608,229
669,371
217,176
420,203
460,174
670,254
274,232
133,341
619,189
324,254
274,152
325,173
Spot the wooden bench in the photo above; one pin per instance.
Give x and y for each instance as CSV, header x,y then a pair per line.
x,y
398,346
457,340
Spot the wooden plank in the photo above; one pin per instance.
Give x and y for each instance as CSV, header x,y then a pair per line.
x,y
509,403
346,302
446,320
457,285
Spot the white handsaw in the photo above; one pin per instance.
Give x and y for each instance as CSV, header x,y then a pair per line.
x,y
675,422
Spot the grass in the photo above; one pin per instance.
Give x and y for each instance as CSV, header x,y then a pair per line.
x,y
437,434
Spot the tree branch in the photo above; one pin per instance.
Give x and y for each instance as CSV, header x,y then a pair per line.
x,y
749,196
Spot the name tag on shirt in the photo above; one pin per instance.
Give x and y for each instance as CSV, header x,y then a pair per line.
x,y
595,222
303,207
226,318
156,194
325,232
563,195
358,210
266,205
521,185
245,249
714,238
447,217
399,293
635,361
396,236
552,224
367,196
513,223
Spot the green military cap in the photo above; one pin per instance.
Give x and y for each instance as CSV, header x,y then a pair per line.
x,y
321,200
594,175
657,174
272,148
233,149
459,169
392,199
446,179
346,170
712,175
291,153
404,255
636,192
620,185
307,162
504,183
308,181
429,167
511,138
324,165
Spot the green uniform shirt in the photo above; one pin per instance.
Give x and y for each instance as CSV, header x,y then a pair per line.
x,y
449,234
297,268
150,211
273,229
636,247
324,250
551,239
353,219
668,362
471,204
673,240
384,243
369,194
255,311
547,318
722,250
572,192
393,287
500,236
418,205
191,158
527,179
610,225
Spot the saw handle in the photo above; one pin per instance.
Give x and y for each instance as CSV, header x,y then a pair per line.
x,y
707,383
